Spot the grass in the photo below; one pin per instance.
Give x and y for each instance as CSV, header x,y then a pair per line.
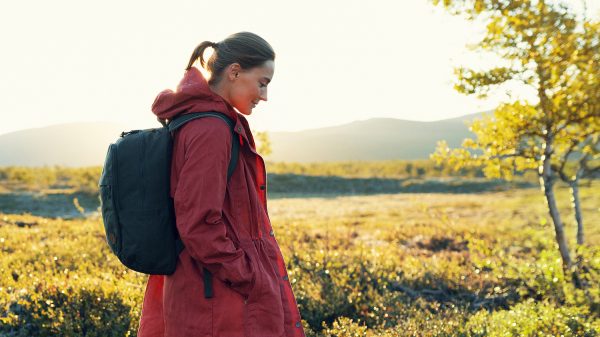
x,y
404,264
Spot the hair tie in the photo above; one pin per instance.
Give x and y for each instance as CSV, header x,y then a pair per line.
x,y
215,45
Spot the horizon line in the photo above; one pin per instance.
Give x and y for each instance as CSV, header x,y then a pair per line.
x,y
127,125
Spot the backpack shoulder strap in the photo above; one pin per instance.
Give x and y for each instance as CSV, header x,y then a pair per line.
x,y
178,122
235,145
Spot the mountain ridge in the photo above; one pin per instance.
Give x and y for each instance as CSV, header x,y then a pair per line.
x,y
380,138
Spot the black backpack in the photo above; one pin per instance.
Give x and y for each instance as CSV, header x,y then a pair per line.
x,y
137,208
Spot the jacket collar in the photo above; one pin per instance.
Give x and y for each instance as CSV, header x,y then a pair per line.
x,y
193,94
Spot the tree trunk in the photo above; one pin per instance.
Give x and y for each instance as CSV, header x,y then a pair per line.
x,y
561,239
580,282
547,182
577,207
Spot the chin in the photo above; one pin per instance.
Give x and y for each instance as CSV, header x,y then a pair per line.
x,y
244,111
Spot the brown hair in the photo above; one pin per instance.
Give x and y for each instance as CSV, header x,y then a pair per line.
x,y
247,49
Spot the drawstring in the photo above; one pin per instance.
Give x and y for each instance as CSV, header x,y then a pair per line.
x,y
241,140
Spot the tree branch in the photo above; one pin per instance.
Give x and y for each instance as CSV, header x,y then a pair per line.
x,y
569,122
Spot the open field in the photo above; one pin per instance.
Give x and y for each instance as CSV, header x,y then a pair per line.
x,y
73,203
403,264
85,179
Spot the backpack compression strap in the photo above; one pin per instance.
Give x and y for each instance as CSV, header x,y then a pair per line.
x,y
176,124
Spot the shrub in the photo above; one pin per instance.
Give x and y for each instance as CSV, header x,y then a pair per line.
x,y
534,319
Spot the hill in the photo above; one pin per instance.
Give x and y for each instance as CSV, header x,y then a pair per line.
x,y
85,144
372,139
73,144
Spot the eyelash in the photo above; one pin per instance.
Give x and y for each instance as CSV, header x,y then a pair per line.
x,y
262,85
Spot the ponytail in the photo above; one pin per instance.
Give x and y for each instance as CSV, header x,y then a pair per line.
x,y
199,53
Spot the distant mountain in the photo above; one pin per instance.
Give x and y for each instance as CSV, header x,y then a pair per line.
x,y
73,144
372,139
85,144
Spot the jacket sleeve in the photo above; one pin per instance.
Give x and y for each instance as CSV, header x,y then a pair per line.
x,y
199,198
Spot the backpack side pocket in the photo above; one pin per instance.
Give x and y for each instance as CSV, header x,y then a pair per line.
x,y
107,202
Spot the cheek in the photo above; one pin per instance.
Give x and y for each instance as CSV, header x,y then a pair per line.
x,y
247,92
252,87
237,94
241,97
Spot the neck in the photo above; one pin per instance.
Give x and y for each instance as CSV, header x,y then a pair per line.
x,y
220,90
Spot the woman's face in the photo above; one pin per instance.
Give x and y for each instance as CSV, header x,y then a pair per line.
x,y
249,86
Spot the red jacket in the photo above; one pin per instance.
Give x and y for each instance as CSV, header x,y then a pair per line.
x,y
225,228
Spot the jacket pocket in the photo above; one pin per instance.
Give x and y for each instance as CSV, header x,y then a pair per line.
x,y
264,305
248,247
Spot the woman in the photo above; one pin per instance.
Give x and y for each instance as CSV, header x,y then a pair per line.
x,y
224,224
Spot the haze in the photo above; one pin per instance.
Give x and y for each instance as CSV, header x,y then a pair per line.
x,y
337,61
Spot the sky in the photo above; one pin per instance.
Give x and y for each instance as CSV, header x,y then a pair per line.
x,y
337,61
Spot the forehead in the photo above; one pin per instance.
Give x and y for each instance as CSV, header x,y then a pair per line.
x,y
266,70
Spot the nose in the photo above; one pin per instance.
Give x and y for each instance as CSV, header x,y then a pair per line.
x,y
263,94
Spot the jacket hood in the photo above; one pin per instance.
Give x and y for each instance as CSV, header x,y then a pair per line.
x,y
192,95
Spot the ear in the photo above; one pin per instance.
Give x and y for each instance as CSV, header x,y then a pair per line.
x,y
233,71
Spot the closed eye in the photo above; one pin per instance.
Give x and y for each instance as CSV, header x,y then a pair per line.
x,y
264,82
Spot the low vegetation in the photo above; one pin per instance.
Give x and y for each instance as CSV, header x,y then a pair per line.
x,y
54,179
382,265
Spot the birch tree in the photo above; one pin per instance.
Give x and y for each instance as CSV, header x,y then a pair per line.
x,y
547,48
